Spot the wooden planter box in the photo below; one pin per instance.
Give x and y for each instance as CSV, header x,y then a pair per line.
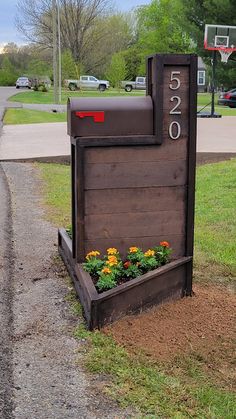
x,y
155,287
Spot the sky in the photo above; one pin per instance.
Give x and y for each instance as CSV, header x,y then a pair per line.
x,y
8,32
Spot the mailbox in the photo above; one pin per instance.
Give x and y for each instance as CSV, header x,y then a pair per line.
x,y
90,117
133,177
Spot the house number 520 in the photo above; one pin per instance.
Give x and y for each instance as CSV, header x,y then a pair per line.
x,y
175,127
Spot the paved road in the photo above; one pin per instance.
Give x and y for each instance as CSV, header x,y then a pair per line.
x,y
49,140
41,371
44,140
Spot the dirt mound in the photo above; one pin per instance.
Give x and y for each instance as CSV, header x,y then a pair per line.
x,y
202,324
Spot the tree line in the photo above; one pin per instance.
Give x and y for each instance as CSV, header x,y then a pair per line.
x,y
99,40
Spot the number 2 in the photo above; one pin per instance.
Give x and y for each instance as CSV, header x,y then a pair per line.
x,y
174,110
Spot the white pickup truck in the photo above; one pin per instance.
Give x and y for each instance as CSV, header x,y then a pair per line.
x,y
138,84
87,83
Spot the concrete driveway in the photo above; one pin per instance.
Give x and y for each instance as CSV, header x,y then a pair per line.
x,y
50,140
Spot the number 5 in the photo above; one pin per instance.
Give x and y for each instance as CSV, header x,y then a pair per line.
x,y
175,79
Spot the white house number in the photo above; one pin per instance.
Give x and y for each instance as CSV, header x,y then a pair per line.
x,y
174,127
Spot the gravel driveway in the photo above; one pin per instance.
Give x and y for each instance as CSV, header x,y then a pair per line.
x,y
41,377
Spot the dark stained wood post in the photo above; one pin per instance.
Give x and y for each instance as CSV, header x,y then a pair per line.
x,y
133,184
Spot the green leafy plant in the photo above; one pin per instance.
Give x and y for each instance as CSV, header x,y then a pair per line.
x,y
109,270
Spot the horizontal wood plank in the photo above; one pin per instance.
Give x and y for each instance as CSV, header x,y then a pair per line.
x,y
169,150
133,175
177,243
134,224
111,201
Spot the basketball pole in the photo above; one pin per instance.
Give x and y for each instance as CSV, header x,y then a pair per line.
x,y
213,84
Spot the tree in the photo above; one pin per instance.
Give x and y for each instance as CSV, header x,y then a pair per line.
x,y
77,17
8,74
160,28
69,67
133,61
116,71
111,34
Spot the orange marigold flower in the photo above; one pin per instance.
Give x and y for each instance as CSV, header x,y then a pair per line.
x,y
165,244
133,249
112,251
112,261
94,253
106,271
149,253
127,264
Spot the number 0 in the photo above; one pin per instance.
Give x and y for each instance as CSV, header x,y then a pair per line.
x,y
174,126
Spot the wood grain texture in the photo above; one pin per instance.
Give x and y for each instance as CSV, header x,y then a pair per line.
x,y
131,175
169,150
177,243
134,224
153,291
112,201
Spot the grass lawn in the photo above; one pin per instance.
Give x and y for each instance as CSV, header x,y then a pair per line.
x,y
205,99
187,386
29,116
215,244
47,98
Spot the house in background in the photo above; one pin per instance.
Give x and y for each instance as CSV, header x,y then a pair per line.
x,y
201,76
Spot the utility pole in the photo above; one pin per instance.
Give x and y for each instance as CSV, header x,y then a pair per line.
x,y
55,68
59,49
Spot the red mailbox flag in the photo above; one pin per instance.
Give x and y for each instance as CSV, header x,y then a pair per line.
x,y
98,116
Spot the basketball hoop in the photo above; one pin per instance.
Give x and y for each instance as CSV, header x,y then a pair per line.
x,y
224,55
220,38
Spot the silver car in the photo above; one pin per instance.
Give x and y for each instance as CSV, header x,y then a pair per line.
x,y
23,82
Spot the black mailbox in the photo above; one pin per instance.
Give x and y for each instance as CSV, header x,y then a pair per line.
x,y
90,117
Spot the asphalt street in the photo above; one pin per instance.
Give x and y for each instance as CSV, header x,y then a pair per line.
x,y
41,371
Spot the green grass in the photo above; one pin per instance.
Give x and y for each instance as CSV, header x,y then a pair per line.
x,y
205,99
47,97
154,389
28,116
215,229
57,193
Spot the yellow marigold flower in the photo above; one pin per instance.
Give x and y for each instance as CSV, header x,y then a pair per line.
x,y
112,251
112,261
94,253
149,253
133,249
106,271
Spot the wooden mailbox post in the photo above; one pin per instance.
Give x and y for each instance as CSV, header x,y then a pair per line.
x,y
133,179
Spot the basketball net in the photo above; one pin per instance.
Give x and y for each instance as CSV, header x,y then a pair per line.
x,y
224,55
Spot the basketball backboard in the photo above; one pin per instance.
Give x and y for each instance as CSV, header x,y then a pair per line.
x,y
220,38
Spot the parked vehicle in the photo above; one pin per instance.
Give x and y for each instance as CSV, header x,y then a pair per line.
x,y
23,82
87,83
228,98
138,84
